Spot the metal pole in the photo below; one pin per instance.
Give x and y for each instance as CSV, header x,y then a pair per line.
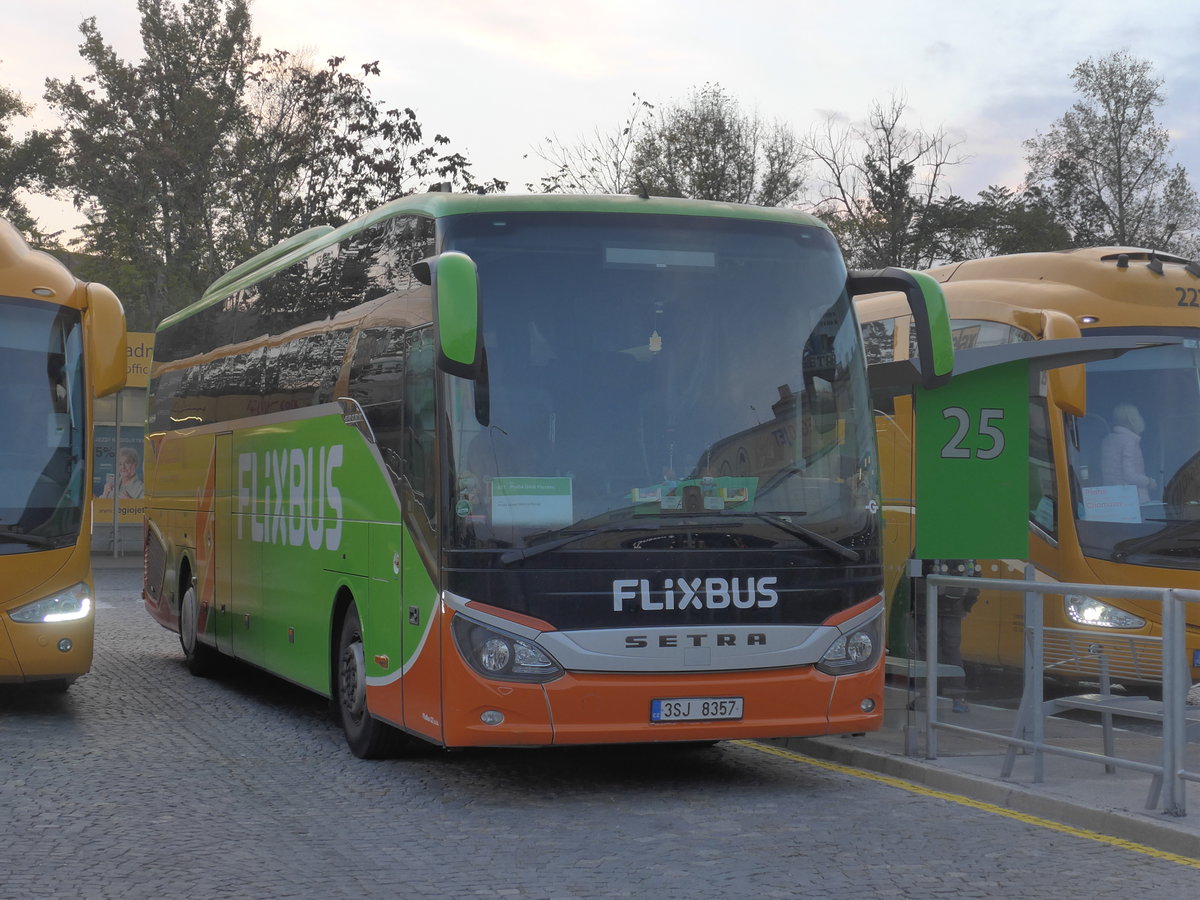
x,y
116,474
1175,687
1035,667
931,667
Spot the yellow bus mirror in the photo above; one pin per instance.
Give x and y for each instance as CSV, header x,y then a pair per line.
x,y
1068,384
107,343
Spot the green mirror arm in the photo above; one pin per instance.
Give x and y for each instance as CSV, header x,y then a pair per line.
x,y
931,318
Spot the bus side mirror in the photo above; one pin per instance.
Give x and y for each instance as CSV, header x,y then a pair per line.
x,y
107,343
931,318
1068,384
455,284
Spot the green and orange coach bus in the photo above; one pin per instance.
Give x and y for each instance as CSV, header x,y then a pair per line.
x,y
533,470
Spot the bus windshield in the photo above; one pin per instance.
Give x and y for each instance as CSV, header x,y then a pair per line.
x,y
42,408
647,371
1134,458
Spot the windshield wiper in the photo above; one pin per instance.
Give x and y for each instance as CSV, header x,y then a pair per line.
x,y
805,534
1173,529
511,556
34,540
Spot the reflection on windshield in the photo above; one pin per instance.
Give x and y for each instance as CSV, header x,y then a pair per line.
x,y
41,405
1135,465
657,372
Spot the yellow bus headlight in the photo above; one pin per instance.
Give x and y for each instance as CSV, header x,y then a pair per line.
x,y
1085,610
65,606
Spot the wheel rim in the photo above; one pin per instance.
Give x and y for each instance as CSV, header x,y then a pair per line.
x,y
187,622
354,687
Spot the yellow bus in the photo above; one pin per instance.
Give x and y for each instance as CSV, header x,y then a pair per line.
x,y
1114,487
62,343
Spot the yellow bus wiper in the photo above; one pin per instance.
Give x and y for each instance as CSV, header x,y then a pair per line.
x,y
17,537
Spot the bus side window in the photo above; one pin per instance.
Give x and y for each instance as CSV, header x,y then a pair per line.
x,y
1043,488
878,340
376,374
421,420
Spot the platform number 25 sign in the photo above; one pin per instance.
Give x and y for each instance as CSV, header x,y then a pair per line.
x,y
972,458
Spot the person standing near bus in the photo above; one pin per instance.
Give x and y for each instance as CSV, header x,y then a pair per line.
x,y
1121,460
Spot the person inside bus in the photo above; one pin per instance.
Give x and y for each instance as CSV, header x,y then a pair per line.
x,y
129,486
1121,460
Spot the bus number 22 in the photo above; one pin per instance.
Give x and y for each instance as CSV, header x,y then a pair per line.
x,y
1188,297
954,448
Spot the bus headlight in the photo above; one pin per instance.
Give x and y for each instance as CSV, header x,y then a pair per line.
x,y
66,606
500,655
1085,610
855,651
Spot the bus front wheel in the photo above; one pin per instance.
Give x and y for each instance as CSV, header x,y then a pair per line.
x,y
367,736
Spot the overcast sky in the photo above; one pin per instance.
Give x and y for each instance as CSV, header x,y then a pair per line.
x,y
499,77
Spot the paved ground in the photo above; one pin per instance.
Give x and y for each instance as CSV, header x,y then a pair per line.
x,y
144,782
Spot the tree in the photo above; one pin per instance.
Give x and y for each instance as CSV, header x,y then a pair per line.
x,y
149,158
1104,167
877,182
599,164
1000,222
25,165
326,151
709,149
206,151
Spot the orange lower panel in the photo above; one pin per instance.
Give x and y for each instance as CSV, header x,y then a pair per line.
x,y
614,708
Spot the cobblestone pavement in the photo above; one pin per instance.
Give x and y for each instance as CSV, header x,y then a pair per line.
x,y
144,782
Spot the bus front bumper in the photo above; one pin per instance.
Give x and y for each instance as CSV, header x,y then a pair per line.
x,y
596,708
41,651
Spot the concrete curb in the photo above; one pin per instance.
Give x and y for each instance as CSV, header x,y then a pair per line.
x,y
1151,828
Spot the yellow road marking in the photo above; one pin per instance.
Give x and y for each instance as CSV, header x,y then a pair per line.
x,y
974,804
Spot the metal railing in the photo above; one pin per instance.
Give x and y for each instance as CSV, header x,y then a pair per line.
x,y
1168,777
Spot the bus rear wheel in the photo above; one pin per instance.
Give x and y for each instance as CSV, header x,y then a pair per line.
x,y
367,736
201,659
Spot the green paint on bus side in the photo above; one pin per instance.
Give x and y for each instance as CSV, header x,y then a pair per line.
x,y
314,515
972,462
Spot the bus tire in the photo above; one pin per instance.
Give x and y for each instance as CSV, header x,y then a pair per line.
x,y
368,737
201,659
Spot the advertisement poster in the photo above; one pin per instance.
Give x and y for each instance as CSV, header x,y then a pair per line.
x,y
117,473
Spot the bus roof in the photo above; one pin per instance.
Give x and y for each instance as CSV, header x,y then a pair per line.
x,y
443,204
1098,286
1064,265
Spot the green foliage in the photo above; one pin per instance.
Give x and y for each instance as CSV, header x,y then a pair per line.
x,y
326,151
705,149
149,158
709,149
207,152
1000,222
879,182
25,165
1104,167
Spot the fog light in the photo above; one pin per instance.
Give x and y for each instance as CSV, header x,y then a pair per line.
x,y
867,705
492,717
